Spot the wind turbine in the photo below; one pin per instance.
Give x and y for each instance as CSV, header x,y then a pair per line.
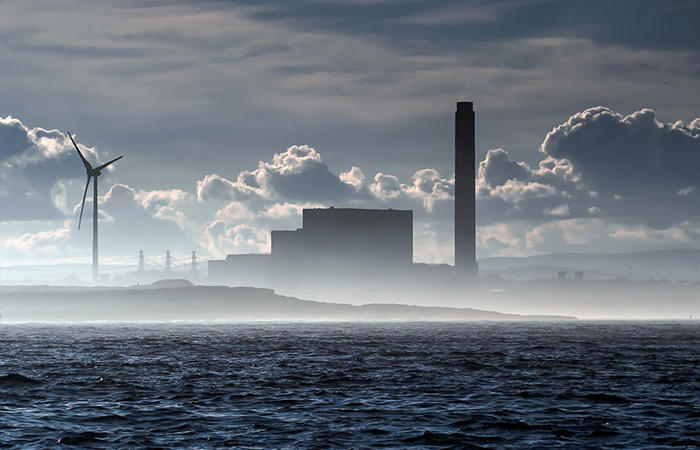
x,y
92,172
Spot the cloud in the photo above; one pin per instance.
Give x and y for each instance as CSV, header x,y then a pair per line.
x,y
296,173
36,166
299,176
431,188
165,203
560,211
686,191
354,177
129,221
222,239
288,210
48,242
603,163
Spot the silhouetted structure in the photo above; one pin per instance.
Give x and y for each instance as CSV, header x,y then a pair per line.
x,y
92,173
333,243
142,262
337,243
252,269
333,239
373,246
465,191
358,237
168,262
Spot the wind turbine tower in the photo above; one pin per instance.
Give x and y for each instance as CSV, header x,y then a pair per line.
x,y
92,173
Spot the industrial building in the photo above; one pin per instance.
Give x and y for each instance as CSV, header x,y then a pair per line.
x,y
333,242
374,245
362,237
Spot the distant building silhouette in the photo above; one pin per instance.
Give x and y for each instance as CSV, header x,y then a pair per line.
x,y
347,241
465,191
333,243
250,269
362,236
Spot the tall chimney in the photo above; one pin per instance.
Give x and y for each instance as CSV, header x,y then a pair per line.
x,y
465,201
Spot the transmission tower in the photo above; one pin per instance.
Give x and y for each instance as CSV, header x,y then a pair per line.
x,y
193,267
142,262
168,261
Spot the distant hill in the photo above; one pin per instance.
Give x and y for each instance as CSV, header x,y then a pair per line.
x,y
675,265
171,283
212,303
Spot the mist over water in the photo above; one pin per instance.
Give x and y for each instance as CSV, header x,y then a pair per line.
x,y
491,385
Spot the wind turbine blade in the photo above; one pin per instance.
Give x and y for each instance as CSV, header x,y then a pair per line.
x,y
82,206
108,163
85,161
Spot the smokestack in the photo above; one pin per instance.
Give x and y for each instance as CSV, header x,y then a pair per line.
x,y
465,201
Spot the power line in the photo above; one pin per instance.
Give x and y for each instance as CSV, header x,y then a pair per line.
x,y
193,267
142,261
168,261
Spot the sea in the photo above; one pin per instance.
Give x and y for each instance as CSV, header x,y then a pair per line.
x,y
351,385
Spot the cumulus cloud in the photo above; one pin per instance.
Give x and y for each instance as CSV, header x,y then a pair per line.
x,y
165,204
296,173
354,177
49,242
429,187
599,162
686,191
216,187
560,211
274,194
288,210
298,176
222,239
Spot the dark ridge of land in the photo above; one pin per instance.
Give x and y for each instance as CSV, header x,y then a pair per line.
x,y
214,303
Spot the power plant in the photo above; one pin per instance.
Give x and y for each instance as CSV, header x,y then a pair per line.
x,y
363,245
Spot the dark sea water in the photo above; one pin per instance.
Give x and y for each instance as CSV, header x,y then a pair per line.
x,y
480,385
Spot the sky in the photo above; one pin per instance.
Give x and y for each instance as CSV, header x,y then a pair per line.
x,y
233,116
